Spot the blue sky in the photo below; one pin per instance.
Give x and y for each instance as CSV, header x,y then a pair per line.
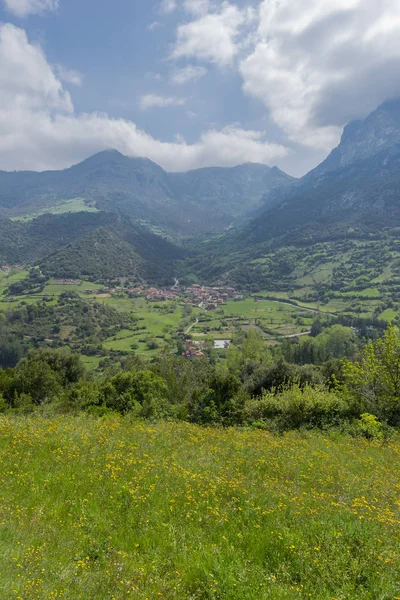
x,y
190,83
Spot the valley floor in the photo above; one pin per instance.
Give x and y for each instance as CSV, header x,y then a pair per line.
x,y
101,509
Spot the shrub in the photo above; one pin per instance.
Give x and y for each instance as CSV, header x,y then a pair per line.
x,y
370,427
220,403
85,394
23,403
297,407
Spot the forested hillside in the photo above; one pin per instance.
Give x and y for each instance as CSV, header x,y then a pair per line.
x,y
100,245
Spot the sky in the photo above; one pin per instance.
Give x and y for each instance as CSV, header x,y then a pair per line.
x,y
191,83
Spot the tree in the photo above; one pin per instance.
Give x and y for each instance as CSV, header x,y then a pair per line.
x,y
374,379
65,365
142,392
220,403
36,379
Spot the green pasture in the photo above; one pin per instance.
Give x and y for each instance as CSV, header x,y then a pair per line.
x,y
8,279
52,289
74,205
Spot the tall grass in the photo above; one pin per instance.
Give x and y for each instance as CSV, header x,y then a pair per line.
x,y
111,509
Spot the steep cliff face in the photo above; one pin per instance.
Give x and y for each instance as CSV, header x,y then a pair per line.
x,y
357,186
365,138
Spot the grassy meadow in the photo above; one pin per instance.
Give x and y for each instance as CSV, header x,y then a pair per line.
x,y
73,205
109,509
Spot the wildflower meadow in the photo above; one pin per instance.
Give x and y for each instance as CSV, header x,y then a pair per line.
x,y
109,508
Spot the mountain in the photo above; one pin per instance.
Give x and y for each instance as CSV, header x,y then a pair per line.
x,y
193,202
356,187
364,138
100,246
232,192
334,232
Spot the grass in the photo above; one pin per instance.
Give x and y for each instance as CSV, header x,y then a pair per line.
x,y
8,279
107,509
91,362
73,205
52,289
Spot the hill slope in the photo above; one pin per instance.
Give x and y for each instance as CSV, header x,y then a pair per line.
x,y
100,245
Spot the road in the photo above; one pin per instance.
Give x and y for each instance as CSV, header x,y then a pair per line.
x,y
295,335
191,327
176,284
313,310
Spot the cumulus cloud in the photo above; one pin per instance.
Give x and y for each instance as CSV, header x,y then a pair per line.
x,y
155,101
187,74
39,128
23,8
26,79
212,37
317,64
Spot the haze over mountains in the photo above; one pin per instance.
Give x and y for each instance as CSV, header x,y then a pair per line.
x,y
354,193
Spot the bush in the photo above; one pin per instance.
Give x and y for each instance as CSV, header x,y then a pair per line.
x,y
84,394
297,407
222,402
370,427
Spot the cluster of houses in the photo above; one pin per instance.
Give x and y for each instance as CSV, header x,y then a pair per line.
x,y
191,351
206,297
155,294
210,298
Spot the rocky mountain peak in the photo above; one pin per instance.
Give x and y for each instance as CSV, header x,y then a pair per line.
x,y
362,139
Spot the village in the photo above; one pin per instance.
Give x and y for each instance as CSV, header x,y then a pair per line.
x,y
205,297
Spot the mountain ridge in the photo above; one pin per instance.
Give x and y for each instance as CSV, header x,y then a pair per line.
x,y
208,199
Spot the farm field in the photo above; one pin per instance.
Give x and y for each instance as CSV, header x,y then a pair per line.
x,y
109,508
273,314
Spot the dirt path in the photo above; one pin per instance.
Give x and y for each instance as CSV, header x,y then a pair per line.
x,y
191,327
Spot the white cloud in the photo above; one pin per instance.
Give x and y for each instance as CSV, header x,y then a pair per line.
x,y
197,7
155,101
317,64
71,76
39,128
212,37
167,7
22,8
26,79
154,25
187,74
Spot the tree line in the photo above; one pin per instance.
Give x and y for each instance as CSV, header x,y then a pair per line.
x,y
252,387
